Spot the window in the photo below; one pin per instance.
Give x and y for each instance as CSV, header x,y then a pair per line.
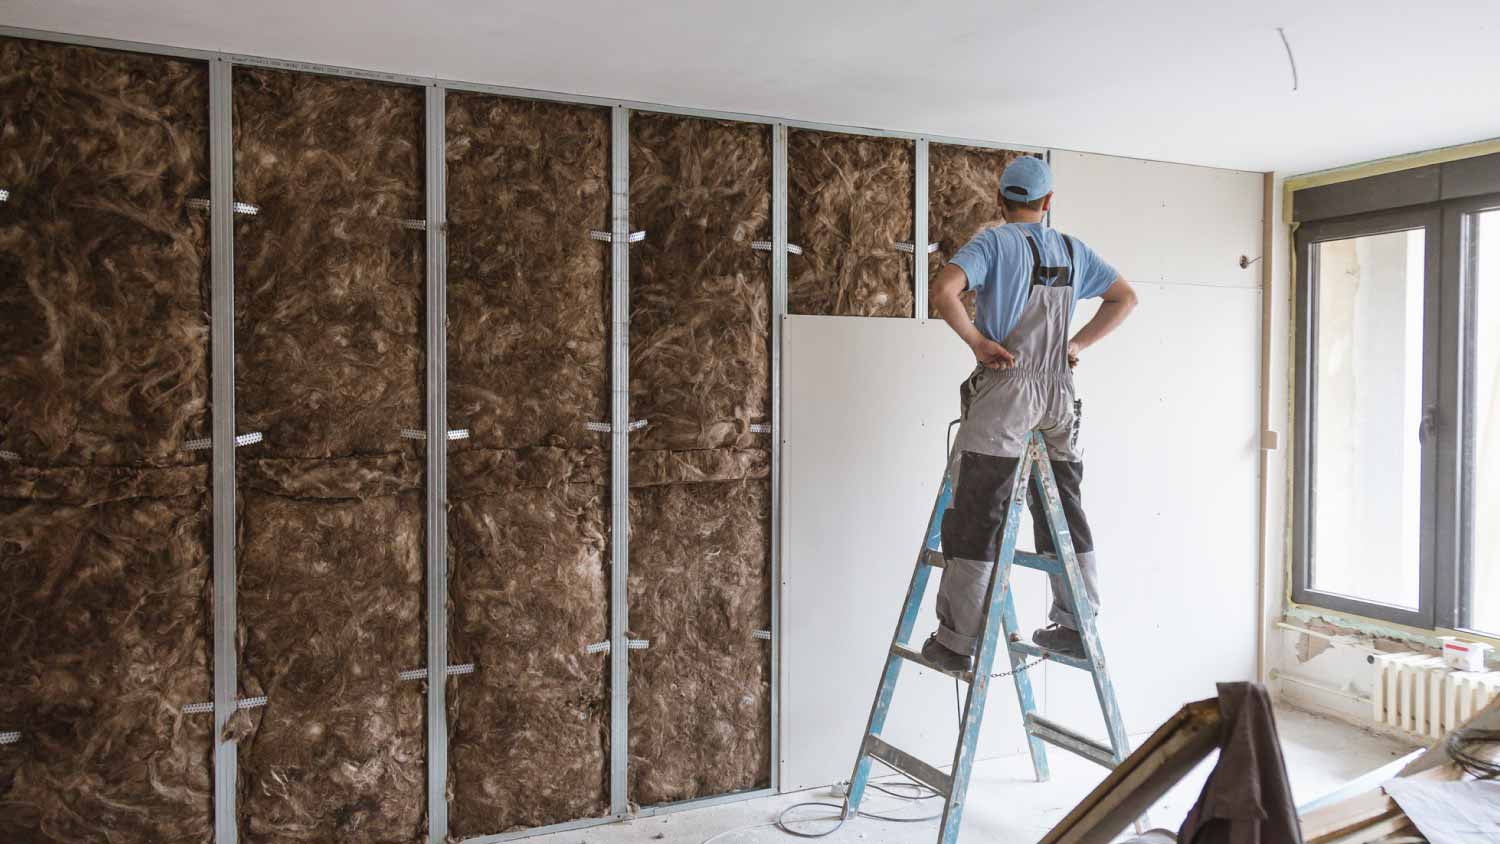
x,y
1397,433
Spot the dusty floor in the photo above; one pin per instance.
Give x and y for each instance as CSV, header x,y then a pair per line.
x,y
1007,806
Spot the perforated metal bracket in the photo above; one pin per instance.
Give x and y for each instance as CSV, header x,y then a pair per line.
x,y
765,246
9,738
414,225
243,703
630,644
605,427
10,456
241,440
608,237
760,428
911,248
764,635
418,434
239,207
4,196
452,671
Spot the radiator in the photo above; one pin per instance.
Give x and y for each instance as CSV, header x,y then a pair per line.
x,y
1421,696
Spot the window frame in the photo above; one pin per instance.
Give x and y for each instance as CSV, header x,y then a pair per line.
x,y
1308,238
1443,198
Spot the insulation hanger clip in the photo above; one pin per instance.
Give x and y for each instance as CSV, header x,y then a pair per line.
x,y
11,737
609,237
605,427
451,671
239,207
239,441
419,434
767,246
243,703
911,248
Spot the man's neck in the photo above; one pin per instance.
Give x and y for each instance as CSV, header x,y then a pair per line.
x,y
1026,217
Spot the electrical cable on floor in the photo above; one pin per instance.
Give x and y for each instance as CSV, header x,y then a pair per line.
x,y
1463,746
920,792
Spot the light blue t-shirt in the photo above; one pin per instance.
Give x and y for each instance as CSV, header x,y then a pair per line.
x,y
998,264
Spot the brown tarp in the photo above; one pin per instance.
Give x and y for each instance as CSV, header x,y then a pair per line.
x,y
700,504
849,202
329,366
104,617
528,524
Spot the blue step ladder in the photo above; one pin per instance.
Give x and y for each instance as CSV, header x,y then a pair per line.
x,y
1001,608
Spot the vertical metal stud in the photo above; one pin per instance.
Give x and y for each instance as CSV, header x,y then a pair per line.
x,y
778,316
437,471
619,496
226,612
919,235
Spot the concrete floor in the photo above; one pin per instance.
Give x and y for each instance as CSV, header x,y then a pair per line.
x,y
1006,805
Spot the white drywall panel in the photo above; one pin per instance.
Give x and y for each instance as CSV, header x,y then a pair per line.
x,y
1171,468
1165,223
867,405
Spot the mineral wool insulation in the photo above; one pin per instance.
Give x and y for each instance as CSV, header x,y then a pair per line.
x,y
700,496
849,203
329,368
528,523
104,527
963,192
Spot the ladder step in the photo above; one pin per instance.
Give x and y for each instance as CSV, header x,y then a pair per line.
x,y
1049,565
909,765
911,655
1035,652
933,557
1056,734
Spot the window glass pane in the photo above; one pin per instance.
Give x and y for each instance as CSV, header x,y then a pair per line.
x,y
1367,393
1484,589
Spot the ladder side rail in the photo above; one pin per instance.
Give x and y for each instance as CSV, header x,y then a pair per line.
x,y
908,621
1024,693
984,660
1083,609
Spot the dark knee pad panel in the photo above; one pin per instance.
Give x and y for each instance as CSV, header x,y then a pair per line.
x,y
971,527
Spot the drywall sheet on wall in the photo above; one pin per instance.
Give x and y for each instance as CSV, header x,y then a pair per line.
x,y
866,414
104,620
700,493
329,368
528,525
849,203
963,199
1171,463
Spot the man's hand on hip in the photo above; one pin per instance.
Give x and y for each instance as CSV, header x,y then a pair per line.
x,y
991,354
1073,351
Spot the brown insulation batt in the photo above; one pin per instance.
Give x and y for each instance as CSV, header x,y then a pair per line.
x,y
329,293
849,202
963,198
104,615
328,284
700,705
700,369
103,265
528,290
104,637
528,294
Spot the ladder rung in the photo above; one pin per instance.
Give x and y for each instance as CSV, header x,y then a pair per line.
x,y
933,557
1049,565
1055,733
911,655
909,765
1035,652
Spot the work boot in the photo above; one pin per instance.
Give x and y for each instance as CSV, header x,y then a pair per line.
x,y
939,655
1059,639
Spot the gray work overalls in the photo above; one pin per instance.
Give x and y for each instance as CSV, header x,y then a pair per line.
x,y
999,407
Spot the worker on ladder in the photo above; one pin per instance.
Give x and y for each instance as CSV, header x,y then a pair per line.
x,y
1027,278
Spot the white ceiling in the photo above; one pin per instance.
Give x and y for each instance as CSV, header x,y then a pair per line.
x,y
1193,81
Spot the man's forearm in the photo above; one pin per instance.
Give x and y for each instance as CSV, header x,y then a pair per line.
x,y
1106,319
951,309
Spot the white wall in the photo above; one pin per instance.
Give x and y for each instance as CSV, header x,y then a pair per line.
x,y
1170,434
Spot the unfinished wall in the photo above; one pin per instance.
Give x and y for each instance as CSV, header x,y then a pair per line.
x,y
700,496
849,202
329,366
104,618
528,525
963,193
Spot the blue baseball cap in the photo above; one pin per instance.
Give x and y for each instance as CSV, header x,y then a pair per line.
x,y
1025,179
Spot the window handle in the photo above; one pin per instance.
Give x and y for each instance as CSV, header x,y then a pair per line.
x,y
1429,424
